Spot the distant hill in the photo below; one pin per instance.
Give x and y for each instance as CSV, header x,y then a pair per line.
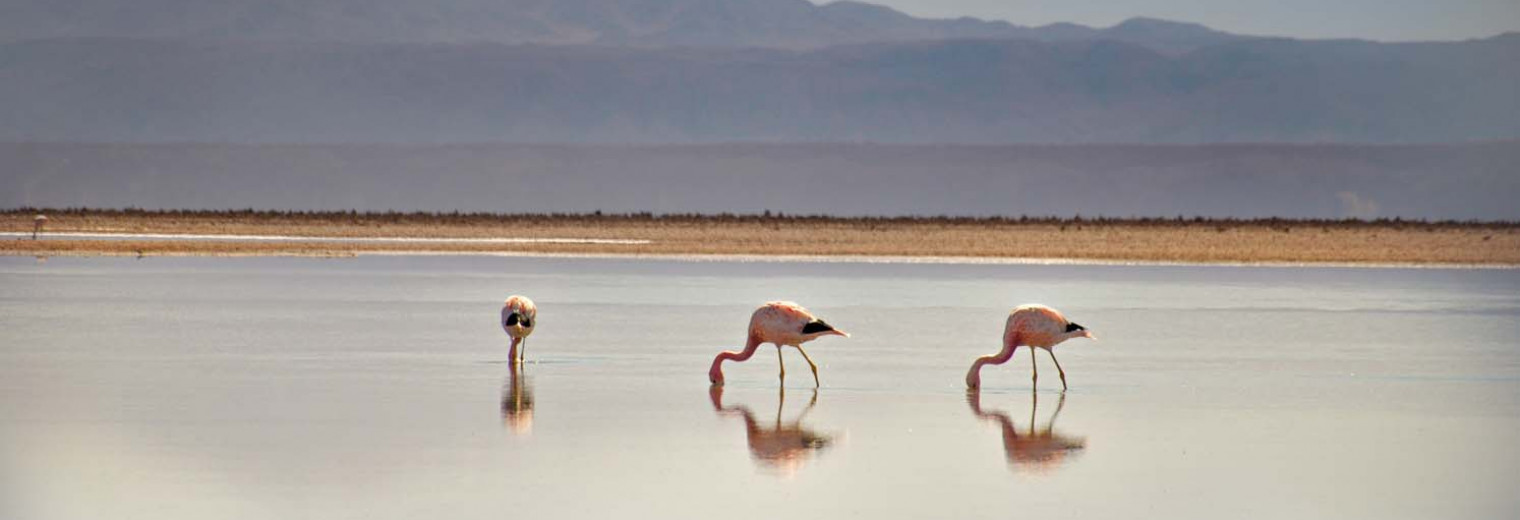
x,y
1470,181
790,24
953,91
703,71
736,105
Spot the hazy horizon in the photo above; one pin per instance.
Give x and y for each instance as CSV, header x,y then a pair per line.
x,y
772,98
1378,20
1438,182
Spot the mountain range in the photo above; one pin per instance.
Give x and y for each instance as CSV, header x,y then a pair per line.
x,y
844,108
789,24
697,71
986,91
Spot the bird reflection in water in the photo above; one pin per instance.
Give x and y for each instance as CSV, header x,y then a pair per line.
x,y
782,446
517,402
1039,451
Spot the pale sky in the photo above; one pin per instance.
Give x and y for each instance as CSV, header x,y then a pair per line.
x,y
1386,20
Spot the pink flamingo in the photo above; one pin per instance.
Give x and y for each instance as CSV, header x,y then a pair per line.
x,y
1030,325
781,323
518,316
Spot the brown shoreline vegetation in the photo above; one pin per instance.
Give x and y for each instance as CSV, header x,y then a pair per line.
x,y
1097,239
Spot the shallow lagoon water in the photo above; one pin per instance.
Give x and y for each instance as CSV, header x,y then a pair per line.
x,y
377,387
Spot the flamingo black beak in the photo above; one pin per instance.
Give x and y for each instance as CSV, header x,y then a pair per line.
x,y
1080,331
819,327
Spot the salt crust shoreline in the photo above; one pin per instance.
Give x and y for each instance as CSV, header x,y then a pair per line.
x,y
825,259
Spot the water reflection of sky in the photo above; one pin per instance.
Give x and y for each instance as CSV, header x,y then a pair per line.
x,y
376,388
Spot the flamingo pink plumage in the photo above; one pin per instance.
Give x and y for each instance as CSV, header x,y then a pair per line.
x,y
1030,325
780,323
518,317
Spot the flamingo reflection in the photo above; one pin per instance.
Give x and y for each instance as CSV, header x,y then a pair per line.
x,y
517,403
783,446
1034,450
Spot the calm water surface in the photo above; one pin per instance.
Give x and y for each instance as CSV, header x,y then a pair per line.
x,y
377,388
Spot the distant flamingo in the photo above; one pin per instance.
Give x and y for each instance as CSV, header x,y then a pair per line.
x,y
1037,450
518,316
783,324
783,446
1030,325
37,223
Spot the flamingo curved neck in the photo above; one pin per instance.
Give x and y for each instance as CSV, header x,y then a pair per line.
x,y
974,376
715,373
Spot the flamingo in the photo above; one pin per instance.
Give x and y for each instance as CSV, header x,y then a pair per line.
x,y
783,324
1031,325
518,316
37,223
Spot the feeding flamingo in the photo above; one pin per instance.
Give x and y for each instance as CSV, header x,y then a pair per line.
x,y
1030,325
518,316
783,324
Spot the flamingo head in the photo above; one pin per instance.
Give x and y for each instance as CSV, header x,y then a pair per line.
x,y
1074,330
715,374
818,328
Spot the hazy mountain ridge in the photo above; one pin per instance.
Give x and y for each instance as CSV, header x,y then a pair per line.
x,y
1469,181
792,24
693,71
967,91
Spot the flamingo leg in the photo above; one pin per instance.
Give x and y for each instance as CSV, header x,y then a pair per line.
x,y
1033,367
781,363
1058,369
810,365
523,354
